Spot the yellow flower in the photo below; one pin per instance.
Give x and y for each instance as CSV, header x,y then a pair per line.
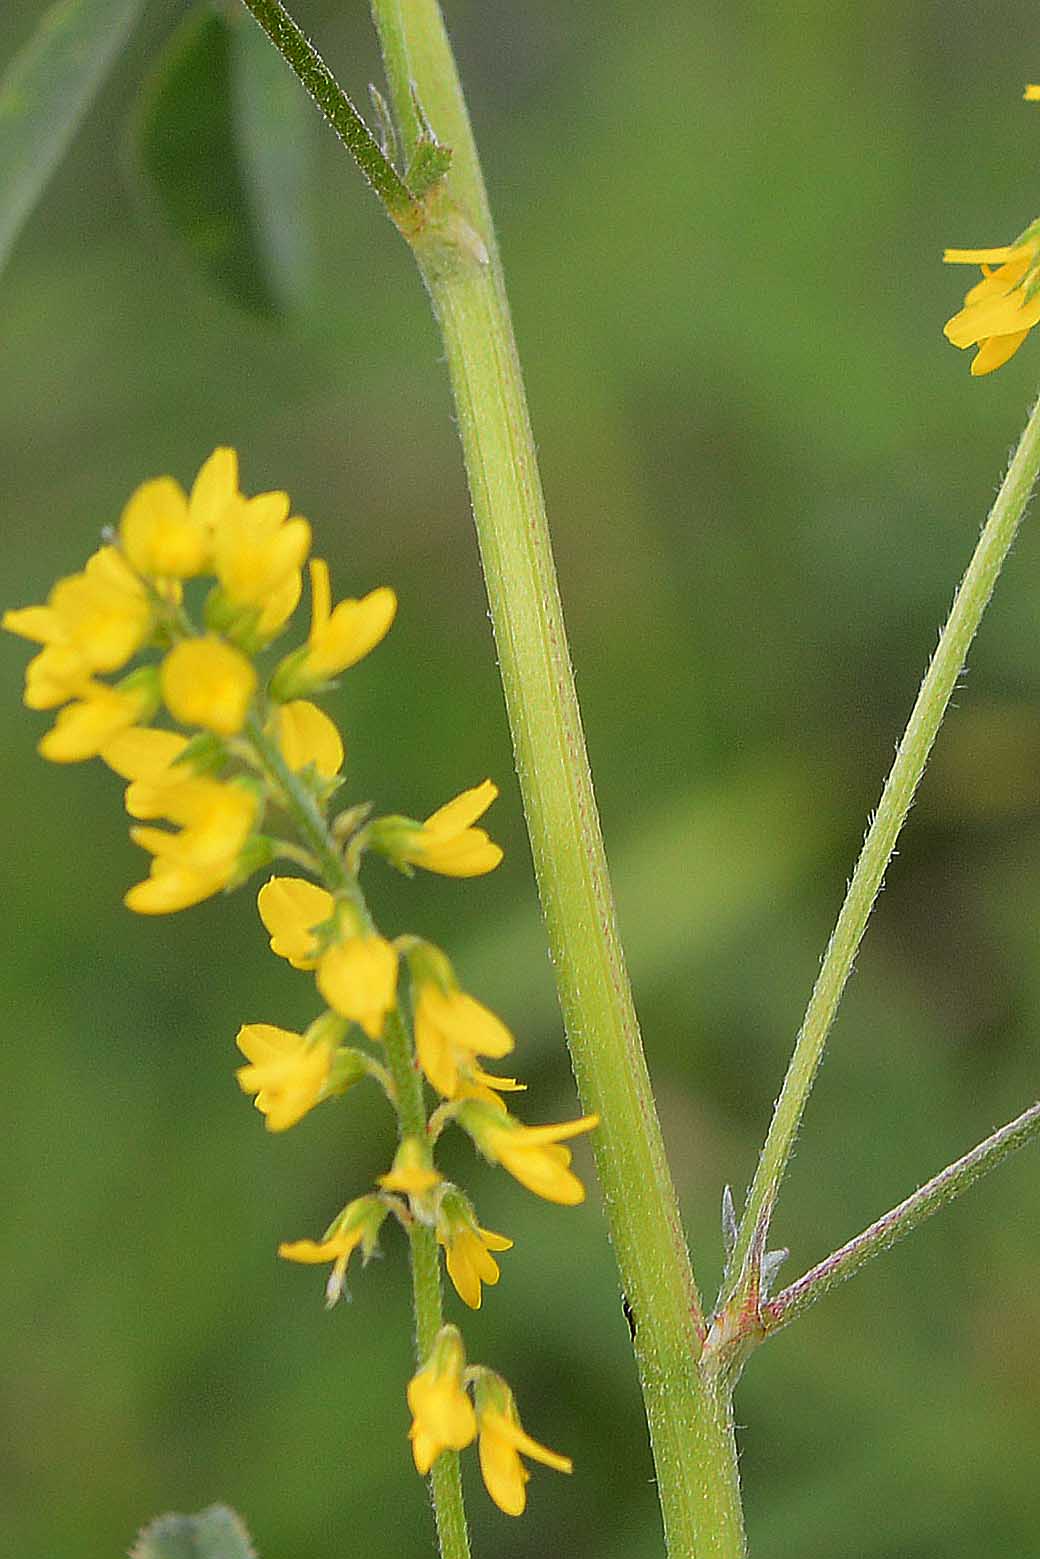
x,y
451,1029
257,548
446,842
162,536
442,1414
200,859
502,1440
59,672
290,908
467,1247
534,1155
358,977
1001,309
1032,94
305,734
338,638
358,1224
84,727
413,1172
148,758
93,621
287,1074
208,683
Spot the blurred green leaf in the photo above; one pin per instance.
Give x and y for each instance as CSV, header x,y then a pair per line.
x,y
216,1533
223,139
45,92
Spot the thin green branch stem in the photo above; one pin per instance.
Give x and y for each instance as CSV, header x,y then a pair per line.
x,y
410,1104
894,1225
340,112
911,756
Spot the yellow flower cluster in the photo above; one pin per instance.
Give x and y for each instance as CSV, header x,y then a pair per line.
x,y
1001,309
213,740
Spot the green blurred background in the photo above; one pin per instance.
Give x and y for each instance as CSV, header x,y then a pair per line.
x,y
765,470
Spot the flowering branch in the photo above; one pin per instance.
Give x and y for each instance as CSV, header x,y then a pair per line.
x,y
911,756
944,1187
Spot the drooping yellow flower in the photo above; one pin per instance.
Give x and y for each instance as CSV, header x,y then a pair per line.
x,y
451,1029
202,857
287,1072
502,1441
208,683
84,727
93,621
338,637
467,1247
442,1414
1001,309
413,1172
534,1155
358,977
161,535
358,1224
305,735
290,908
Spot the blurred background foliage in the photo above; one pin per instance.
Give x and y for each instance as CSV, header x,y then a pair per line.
x,y
765,468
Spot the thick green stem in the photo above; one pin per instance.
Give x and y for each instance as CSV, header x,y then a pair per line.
x,y
691,1427
445,1477
911,756
894,1225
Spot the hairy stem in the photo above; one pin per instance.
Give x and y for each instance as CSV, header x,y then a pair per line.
x,y
911,756
445,1477
944,1187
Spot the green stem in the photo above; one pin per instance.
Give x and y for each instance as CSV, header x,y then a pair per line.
x,y
944,1187
445,1477
911,756
690,1424
340,112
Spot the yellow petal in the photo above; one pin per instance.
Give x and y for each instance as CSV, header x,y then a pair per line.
x,y
995,352
208,683
358,978
290,907
305,734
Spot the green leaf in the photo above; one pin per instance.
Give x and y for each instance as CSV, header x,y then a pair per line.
x,y
223,139
44,94
216,1533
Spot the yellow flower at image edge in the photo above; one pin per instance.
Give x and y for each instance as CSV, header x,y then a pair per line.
x,y
1001,309
208,683
502,1442
287,1073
